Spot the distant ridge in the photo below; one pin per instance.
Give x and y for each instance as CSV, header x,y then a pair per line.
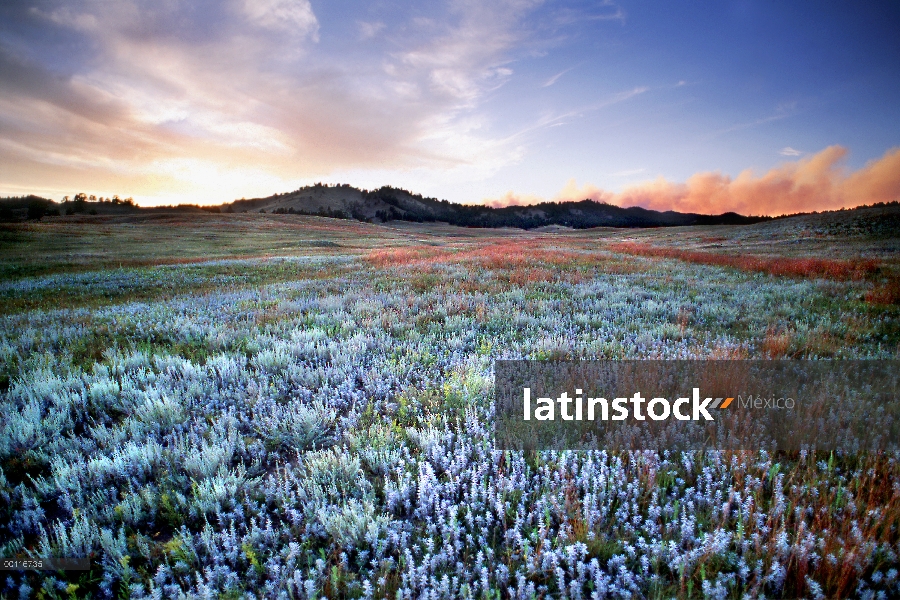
x,y
394,204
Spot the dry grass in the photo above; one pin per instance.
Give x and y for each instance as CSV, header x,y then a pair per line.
x,y
777,344
492,255
869,493
839,270
886,293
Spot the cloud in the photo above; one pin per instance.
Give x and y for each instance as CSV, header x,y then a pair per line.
x,y
607,10
242,87
621,97
467,55
368,30
295,16
571,192
788,151
816,183
752,124
556,77
878,181
628,172
513,199
551,119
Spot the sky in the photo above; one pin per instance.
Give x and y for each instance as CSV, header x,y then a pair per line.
x,y
756,107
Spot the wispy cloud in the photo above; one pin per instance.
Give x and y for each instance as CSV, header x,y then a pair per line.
x,y
459,61
605,10
556,77
295,16
628,172
782,111
621,97
788,151
245,89
368,30
752,124
554,119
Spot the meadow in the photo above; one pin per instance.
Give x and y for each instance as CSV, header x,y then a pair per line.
x,y
276,406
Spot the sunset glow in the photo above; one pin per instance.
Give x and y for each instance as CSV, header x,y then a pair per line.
x,y
707,107
819,182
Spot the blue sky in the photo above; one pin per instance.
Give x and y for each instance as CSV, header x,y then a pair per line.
x,y
518,100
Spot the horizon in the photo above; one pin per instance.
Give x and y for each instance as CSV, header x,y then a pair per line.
x,y
92,198
759,109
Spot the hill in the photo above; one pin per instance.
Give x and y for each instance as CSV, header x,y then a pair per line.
x,y
390,204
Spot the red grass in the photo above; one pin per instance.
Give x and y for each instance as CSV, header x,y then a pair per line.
x,y
840,270
502,255
401,256
885,294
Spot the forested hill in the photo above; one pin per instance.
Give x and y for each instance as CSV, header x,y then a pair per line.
x,y
383,205
389,204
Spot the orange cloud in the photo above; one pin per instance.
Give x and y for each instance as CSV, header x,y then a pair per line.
x,y
570,193
513,199
878,181
573,193
819,182
205,108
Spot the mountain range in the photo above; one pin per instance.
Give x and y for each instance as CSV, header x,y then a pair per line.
x,y
389,204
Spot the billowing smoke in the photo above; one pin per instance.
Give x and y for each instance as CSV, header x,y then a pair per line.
x,y
816,183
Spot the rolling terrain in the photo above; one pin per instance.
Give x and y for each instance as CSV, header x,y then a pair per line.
x,y
275,406
390,204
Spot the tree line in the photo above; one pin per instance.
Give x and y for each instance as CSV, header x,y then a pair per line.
x,y
33,208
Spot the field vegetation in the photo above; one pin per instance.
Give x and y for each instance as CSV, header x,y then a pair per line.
x,y
279,406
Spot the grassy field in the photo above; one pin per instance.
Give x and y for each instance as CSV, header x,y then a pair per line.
x,y
256,405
